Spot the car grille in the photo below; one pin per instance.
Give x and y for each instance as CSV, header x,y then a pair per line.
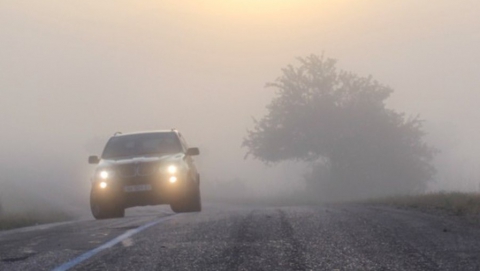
x,y
132,170
147,169
126,171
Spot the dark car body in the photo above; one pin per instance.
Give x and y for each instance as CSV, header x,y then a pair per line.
x,y
147,168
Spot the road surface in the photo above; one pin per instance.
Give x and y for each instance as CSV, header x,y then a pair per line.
x,y
332,237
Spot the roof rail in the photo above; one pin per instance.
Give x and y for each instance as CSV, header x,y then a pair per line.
x,y
117,133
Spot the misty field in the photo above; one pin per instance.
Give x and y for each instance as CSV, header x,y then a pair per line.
x,y
456,203
31,218
26,203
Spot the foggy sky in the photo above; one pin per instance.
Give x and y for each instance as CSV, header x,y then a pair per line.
x,y
71,72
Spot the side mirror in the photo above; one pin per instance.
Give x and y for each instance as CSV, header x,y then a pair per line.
x,y
93,159
193,151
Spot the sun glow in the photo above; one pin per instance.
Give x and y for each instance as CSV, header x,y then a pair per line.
x,y
232,10
255,6
253,11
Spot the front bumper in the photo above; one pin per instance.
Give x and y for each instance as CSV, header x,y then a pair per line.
x,y
140,191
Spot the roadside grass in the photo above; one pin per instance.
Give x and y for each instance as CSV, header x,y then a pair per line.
x,y
31,218
456,203
284,201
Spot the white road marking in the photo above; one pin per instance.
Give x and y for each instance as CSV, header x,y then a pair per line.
x,y
111,243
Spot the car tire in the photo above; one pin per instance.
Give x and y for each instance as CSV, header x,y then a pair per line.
x,y
119,212
196,200
191,203
98,209
177,207
102,210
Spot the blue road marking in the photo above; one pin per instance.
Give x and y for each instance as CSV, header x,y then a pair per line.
x,y
109,244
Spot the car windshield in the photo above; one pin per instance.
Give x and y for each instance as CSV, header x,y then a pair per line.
x,y
141,144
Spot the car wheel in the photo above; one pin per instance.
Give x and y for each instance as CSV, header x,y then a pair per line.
x,y
177,207
196,200
118,212
98,209
191,203
102,210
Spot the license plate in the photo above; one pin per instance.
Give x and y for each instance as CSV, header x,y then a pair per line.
x,y
137,188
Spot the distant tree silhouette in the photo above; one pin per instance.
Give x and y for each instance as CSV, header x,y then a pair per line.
x,y
339,120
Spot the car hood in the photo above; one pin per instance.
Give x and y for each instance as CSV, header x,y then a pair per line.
x,y
168,158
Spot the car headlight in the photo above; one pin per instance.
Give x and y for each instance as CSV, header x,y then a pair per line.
x,y
105,174
172,169
173,179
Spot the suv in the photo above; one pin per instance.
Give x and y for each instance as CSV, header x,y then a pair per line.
x,y
147,168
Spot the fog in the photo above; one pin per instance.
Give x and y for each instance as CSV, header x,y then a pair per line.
x,y
73,73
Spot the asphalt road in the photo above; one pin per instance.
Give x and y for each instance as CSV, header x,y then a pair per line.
x,y
334,237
